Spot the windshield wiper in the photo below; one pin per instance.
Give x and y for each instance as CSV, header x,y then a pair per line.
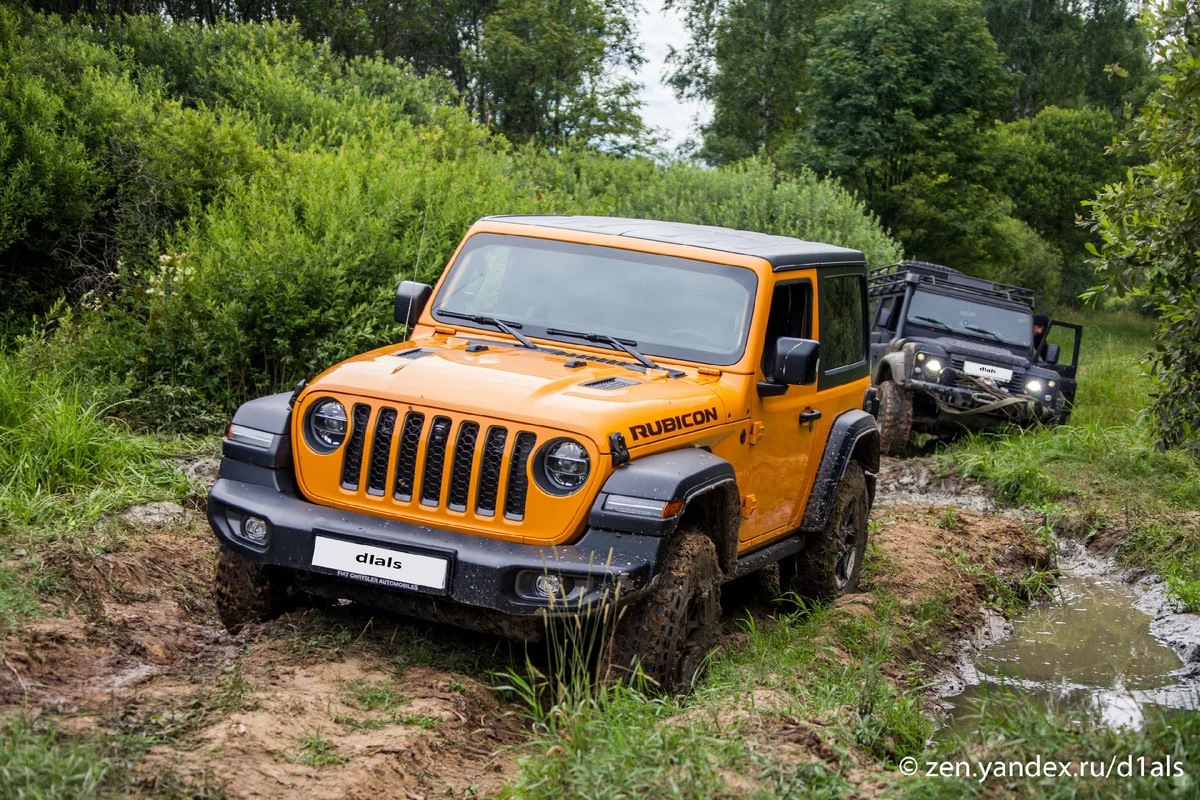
x,y
483,319
933,323
984,331
627,345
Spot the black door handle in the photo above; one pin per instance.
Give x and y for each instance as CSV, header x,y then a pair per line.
x,y
809,415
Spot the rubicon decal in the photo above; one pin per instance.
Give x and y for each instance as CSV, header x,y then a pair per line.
x,y
678,422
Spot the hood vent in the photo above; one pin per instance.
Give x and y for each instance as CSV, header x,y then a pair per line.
x,y
414,353
609,384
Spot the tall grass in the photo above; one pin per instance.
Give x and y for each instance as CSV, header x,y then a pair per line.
x,y
62,461
1012,731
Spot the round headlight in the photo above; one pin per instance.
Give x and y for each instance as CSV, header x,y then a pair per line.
x,y
566,465
933,366
327,425
1033,387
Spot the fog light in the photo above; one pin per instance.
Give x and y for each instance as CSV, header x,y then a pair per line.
x,y
1034,387
254,529
549,586
1050,384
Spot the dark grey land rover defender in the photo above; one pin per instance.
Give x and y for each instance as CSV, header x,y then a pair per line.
x,y
953,352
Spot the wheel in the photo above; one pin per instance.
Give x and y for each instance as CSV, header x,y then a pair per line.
x,y
670,631
832,562
247,591
895,418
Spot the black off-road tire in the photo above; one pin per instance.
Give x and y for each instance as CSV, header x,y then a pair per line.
x,y
895,418
246,591
831,564
671,631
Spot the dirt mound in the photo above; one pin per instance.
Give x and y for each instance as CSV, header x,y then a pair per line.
x,y
316,708
931,550
918,482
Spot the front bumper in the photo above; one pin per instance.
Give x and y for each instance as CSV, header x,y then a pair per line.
x,y
482,572
960,402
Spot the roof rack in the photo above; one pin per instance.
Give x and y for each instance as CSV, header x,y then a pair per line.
x,y
894,278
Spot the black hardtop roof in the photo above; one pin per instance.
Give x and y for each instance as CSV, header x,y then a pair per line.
x,y
782,252
895,277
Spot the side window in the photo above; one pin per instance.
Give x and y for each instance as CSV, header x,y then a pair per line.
x,y
843,329
791,315
885,312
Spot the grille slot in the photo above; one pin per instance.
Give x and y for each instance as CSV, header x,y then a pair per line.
x,y
518,481
352,461
460,472
406,456
489,471
381,447
435,461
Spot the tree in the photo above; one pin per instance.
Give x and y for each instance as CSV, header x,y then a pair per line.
x,y
546,72
1149,223
1070,53
748,58
1048,166
898,87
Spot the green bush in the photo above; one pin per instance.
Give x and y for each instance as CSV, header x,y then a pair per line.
x,y
257,198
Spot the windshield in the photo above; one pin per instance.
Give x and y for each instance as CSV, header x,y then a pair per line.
x,y
672,307
965,317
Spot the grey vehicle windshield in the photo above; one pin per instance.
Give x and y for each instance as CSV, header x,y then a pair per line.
x,y
671,307
1007,325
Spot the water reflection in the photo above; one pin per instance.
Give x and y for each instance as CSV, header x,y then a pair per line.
x,y
1090,654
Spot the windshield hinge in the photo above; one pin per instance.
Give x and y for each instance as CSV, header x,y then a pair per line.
x,y
757,431
749,504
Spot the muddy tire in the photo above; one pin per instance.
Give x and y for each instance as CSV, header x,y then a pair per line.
x,y
246,591
670,631
895,418
831,564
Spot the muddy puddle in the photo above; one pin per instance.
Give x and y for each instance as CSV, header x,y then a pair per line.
x,y
1104,650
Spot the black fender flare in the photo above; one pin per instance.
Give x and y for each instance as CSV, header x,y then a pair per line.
x,y
853,437
687,474
271,414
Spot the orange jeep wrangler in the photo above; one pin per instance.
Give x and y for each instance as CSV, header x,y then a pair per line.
x,y
589,411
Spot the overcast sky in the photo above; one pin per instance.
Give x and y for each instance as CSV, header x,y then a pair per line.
x,y
659,30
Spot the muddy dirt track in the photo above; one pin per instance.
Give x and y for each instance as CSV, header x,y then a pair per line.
x,y
347,703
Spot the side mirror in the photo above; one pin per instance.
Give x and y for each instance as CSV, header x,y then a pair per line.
x,y
795,361
1051,356
411,298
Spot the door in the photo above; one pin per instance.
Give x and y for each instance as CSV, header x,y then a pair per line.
x,y
1067,335
780,447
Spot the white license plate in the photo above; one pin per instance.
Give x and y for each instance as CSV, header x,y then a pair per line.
x,y
998,374
379,564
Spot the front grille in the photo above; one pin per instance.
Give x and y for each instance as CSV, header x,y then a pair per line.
x,y
438,461
352,462
406,460
381,449
435,462
460,473
518,480
489,472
